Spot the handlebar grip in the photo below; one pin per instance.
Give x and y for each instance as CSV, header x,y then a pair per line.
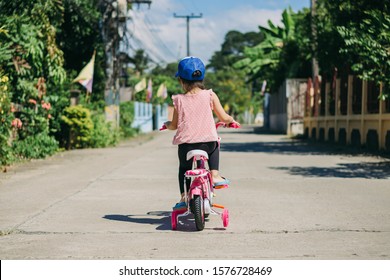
x,y
164,127
220,124
234,125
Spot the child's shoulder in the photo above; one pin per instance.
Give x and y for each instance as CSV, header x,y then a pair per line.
x,y
177,95
208,91
176,99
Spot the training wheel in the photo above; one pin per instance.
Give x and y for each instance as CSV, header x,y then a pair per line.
x,y
225,217
174,220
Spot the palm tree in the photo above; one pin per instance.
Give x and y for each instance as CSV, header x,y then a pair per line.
x,y
266,55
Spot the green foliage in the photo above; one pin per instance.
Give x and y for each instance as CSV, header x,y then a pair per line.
x,y
354,37
78,125
231,89
87,130
126,119
5,46
103,134
78,37
284,52
5,122
173,87
140,61
34,49
37,146
232,49
34,64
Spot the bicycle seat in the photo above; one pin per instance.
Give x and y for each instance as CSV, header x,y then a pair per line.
x,y
198,154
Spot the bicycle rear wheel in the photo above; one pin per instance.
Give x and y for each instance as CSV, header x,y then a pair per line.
x,y
197,208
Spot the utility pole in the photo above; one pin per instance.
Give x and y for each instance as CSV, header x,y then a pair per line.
x,y
188,17
113,28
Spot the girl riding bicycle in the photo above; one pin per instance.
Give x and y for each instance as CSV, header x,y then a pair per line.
x,y
193,118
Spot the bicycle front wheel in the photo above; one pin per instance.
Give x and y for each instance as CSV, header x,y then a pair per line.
x,y
197,209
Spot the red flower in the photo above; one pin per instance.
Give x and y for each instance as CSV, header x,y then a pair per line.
x,y
46,106
32,101
16,123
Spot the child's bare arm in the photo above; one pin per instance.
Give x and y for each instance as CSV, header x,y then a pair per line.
x,y
172,125
220,112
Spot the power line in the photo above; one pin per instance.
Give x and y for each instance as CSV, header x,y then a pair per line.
x,y
188,17
151,27
144,30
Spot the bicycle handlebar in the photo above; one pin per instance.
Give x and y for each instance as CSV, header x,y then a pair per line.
x,y
164,127
233,124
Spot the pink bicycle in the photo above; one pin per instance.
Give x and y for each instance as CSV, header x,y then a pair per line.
x,y
199,198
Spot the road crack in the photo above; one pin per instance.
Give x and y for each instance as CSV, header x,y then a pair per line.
x,y
317,230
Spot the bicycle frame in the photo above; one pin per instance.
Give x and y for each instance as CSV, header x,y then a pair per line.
x,y
201,186
201,179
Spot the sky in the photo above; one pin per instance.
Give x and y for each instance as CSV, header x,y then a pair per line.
x,y
163,36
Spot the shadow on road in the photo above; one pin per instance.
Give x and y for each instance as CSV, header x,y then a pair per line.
x,y
164,223
366,170
293,147
163,219
298,147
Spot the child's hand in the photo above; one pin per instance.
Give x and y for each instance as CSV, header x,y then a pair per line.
x,y
167,125
164,126
234,124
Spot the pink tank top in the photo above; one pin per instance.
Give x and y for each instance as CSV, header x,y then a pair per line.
x,y
195,118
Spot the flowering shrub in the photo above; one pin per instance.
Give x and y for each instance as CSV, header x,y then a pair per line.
x,y
25,126
32,118
16,123
5,121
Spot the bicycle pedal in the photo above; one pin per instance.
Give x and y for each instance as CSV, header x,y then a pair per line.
x,y
218,206
221,187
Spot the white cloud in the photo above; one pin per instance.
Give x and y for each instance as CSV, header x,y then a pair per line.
x,y
164,36
209,36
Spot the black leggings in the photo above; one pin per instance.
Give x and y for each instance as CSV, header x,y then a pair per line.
x,y
211,148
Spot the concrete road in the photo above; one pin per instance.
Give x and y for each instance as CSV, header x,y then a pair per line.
x,y
287,200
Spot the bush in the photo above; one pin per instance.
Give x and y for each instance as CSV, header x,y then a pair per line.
x,y
38,146
77,124
103,134
126,110
5,122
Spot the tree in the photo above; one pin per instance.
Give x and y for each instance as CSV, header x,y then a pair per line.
x,y
284,52
78,36
231,88
354,37
140,61
232,49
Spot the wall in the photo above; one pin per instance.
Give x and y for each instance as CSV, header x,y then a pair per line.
x,y
286,108
348,111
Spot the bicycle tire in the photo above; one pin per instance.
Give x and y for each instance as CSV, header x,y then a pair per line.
x,y
197,209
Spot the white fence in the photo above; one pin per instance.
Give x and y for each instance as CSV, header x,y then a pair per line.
x,y
146,120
